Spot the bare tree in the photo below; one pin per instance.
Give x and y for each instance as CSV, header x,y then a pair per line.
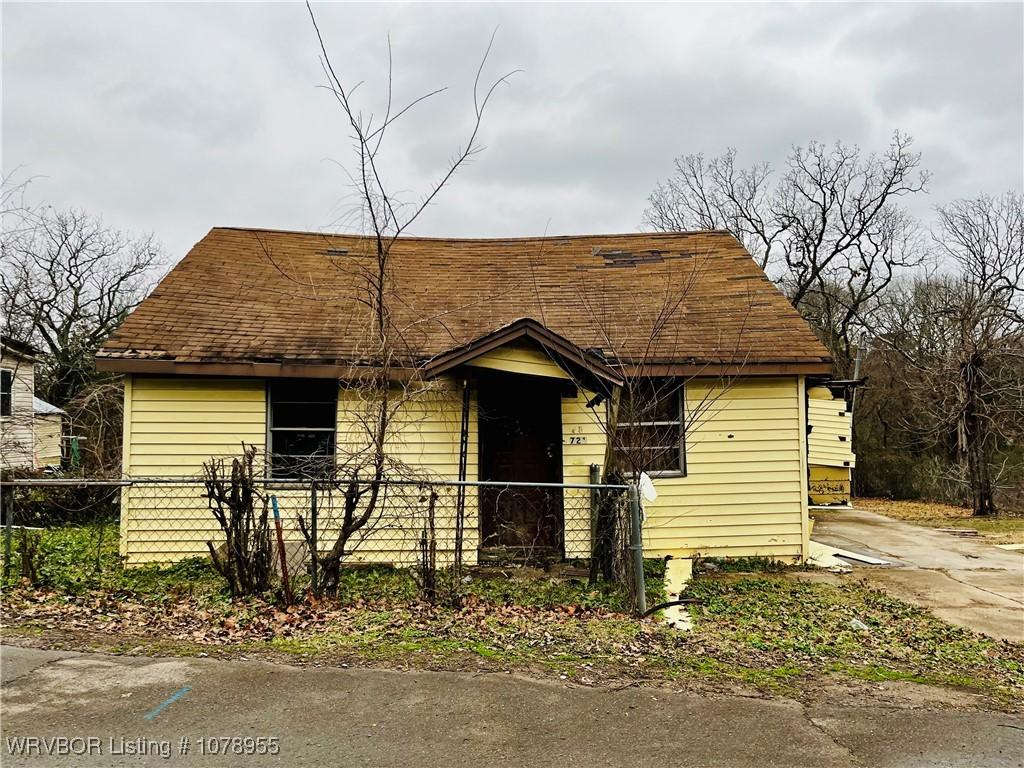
x,y
830,230
378,393
958,340
96,415
66,283
16,213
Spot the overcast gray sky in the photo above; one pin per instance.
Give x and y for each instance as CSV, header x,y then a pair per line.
x,y
174,118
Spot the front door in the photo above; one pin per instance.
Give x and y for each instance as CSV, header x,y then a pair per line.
x,y
521,441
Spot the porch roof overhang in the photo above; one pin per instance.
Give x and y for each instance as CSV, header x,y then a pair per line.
x,y
581,365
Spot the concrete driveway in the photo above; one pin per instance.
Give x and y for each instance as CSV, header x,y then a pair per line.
x,y
172,711
962,580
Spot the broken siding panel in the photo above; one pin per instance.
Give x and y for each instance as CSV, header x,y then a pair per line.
x,y
830,447
831,440
744,490
829,485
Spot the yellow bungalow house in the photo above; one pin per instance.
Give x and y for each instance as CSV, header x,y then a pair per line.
x,y
516,360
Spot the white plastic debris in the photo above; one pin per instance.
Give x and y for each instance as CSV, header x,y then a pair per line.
x,y
647,489
859,625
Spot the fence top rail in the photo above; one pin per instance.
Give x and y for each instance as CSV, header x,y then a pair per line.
x,y
77,482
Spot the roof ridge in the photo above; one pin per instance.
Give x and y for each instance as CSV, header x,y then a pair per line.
x,y
647,235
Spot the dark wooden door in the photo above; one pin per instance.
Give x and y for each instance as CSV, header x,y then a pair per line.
x,y
521,441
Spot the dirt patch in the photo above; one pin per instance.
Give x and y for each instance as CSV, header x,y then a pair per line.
x,y
899,694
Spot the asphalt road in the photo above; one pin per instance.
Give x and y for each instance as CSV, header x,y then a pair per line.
x,y
330,716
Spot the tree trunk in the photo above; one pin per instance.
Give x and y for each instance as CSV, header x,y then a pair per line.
x,y
330,575
975,443
979,475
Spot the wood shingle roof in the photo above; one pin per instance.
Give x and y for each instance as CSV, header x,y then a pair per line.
x,y
255,297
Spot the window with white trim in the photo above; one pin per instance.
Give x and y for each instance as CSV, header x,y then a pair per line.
x,y
302,421
650,434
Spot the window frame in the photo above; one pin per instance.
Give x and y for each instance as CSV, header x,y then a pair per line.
x,y
681,470
269,470
8,395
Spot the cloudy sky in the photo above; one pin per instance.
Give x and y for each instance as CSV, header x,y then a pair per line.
x,y
173,118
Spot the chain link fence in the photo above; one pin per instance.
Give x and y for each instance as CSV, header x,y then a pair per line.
x,y
427,525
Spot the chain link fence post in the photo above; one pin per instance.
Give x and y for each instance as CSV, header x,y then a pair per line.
x,y
595,507
8,504
314,555
637,547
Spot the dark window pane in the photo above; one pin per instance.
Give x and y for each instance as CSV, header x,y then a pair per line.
x,y
302,423
662,459
649,459
650,400
301,454
289,443
317,415
6,384
304,390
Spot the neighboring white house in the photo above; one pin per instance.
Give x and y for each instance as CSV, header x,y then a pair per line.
x,y
31,430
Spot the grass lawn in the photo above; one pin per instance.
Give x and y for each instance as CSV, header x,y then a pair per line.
x,y
996,530
765,630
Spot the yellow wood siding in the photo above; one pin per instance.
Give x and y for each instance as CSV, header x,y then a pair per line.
x,y
173,425
423,444
745,490
520,358
583,444
48,430
745,493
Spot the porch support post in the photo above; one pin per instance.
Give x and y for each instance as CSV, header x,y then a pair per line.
x,y
595,504
460,498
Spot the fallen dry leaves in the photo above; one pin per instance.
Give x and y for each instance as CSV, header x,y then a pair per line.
x,y
499,627
912,510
